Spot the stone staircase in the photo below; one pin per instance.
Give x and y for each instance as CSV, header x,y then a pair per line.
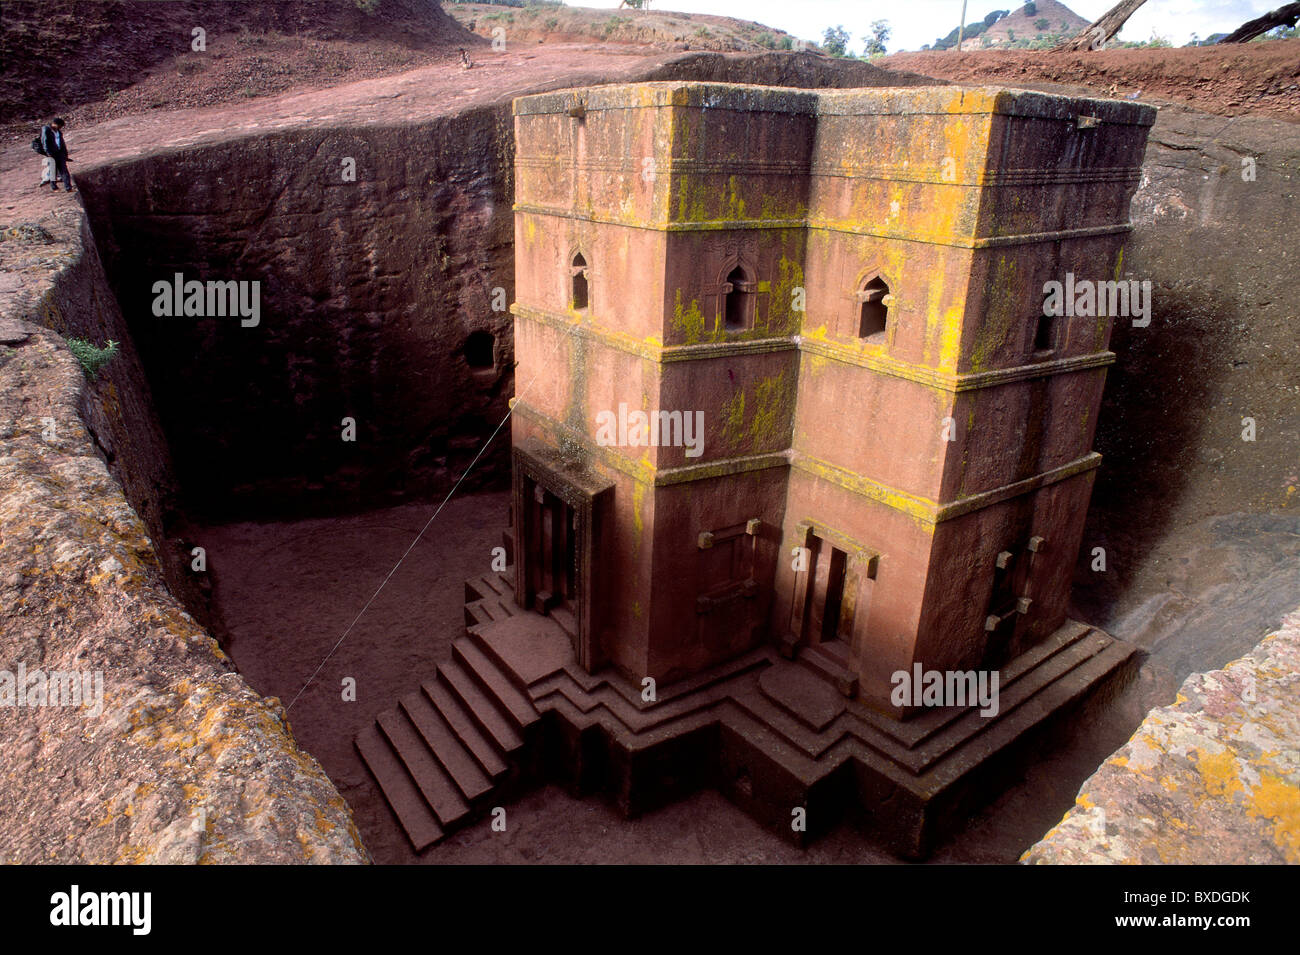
x,y
769,733
489,598
445,748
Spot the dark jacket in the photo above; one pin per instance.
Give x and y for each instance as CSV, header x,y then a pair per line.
x,y
59,152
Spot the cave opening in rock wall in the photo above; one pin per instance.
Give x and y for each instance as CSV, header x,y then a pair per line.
x,y
326,365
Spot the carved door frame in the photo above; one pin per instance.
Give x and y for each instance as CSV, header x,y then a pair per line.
x,y
860,564
588,496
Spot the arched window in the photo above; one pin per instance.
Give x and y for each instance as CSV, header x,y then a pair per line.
x,y
873,310
737,300
579,273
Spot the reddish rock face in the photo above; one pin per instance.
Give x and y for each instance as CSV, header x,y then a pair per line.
x,y
846,289
382,300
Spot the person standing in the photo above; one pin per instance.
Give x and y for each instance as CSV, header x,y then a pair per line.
x,y
56,148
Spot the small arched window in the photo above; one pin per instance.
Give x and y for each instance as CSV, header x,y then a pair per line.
x,y
873,309
737,300
578,271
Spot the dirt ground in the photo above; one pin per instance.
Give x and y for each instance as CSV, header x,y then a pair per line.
x,y
247,71
1262,79
238,66
662,29
288,591
183,49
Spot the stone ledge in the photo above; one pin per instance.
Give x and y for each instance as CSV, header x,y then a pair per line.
x,y
1212,779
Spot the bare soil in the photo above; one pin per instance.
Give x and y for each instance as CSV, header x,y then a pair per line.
x,y
58,54
1261,79
657,29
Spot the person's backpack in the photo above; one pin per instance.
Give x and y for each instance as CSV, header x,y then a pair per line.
x,y
36,145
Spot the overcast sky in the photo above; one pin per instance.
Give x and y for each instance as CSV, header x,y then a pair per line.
x,y
917,22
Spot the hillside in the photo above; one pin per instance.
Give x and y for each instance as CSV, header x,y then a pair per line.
x,y
658,29
1243,78
250,48
1042,20
1038,24
132,58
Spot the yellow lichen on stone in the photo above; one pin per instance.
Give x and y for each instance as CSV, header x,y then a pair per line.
x,y
688,320
1211,778
1278,801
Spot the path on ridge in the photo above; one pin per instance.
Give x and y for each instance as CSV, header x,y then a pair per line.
x,y
408,97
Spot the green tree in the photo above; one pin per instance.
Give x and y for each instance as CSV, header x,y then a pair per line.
x,y
1041,24
1031,8
836,40
875,41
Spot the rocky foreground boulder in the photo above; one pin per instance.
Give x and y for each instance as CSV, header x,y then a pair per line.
x,y
1212,779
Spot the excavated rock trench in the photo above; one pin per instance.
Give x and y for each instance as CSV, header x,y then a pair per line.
x,y
379,318
376,239
375,373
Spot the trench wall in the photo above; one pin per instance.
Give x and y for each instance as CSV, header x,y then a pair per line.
x,y
1215,219
163,753
369,290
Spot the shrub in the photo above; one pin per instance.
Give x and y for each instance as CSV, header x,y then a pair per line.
x,y
91,356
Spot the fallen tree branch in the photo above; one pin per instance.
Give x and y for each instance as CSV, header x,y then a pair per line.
x,y
1096,34
1281,17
